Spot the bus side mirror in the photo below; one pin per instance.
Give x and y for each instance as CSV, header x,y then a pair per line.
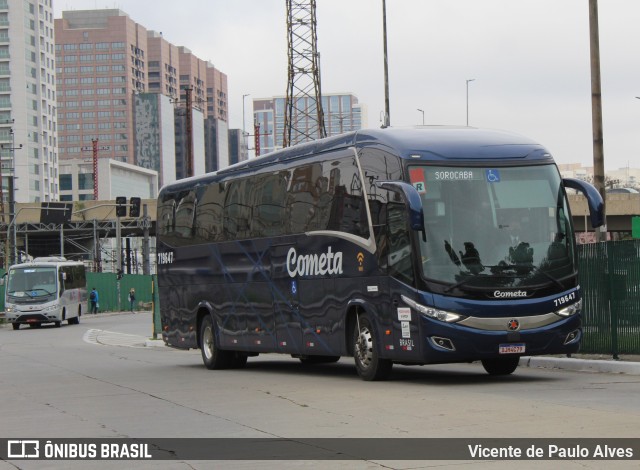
x,y
414,203
594,199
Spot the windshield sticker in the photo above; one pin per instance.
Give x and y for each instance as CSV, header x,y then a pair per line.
x,y
493,175
454,175
416,175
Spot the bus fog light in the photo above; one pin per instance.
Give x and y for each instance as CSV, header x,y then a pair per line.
x,y
443,343
573,337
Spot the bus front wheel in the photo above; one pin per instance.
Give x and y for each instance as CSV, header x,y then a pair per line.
x,y
501,366
212,356
365,352
16,326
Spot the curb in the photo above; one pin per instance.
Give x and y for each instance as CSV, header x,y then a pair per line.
x,y
154,343
581,365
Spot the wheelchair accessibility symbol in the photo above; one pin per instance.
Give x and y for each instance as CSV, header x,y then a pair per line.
x,y
493,176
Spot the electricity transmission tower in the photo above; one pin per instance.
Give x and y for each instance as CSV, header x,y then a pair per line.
x,y
303,118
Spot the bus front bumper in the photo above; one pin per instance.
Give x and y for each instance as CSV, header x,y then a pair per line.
x,y
15,316
451,342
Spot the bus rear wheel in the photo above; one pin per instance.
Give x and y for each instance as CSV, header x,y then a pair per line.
x,y
212,356
503,366
365,352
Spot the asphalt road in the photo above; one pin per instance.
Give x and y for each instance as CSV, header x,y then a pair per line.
x,y
103,379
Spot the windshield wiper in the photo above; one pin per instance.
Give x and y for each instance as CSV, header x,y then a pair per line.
x,y
458,284
549,276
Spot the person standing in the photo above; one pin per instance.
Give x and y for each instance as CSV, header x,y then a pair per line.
x,y
93,298
132,298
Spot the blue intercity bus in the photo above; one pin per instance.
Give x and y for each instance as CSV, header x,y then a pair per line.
x,y
410,246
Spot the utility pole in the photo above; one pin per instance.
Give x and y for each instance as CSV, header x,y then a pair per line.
x,y
146,224
94,157
596,113
189,132
256,137
387,112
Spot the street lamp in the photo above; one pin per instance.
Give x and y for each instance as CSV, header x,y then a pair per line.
x,y
422,116
245,142
469,80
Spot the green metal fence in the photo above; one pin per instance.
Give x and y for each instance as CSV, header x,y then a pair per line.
x,y
610,280
113,294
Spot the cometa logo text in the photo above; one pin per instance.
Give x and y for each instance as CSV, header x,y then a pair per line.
x,y
314,264
509,294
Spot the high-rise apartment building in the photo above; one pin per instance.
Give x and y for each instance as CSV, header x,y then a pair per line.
x,y
342,113
28,101
104,59
101,58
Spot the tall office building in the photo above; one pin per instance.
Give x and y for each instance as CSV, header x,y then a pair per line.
x,y
101,60
342,113
104,59
28,101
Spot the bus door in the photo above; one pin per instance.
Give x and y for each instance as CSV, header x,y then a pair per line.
x,y
286,302
402,281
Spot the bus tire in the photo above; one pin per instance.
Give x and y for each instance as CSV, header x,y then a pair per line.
x,y
238,360
212,356
365,352
75,320
502,366
58,324
16,326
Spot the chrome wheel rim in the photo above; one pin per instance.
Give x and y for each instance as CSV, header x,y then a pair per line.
x,y
364,347
207,342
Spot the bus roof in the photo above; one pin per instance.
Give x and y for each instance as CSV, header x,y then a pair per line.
x,y
48,261
444,144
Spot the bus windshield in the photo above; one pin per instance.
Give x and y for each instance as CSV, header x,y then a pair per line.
x,y
494,227
32,282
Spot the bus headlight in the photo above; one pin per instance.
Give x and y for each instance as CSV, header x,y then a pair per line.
x,y
436,314
571,309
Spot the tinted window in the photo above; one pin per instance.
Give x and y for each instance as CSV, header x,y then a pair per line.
x,y
237,209
269,195
209,213
348,212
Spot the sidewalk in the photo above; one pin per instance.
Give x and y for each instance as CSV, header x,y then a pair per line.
x,y
627,364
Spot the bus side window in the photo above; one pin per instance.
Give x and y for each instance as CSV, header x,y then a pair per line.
x,y
302,198
208,225
399,245
185,215
268,200
237,210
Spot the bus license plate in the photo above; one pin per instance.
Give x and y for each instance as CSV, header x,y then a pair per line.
x,y
511,348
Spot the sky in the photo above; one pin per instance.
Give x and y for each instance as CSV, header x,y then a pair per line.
x,y
529,61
